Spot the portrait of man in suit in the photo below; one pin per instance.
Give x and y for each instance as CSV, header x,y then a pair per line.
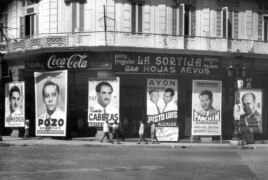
x,y
251,120
206,101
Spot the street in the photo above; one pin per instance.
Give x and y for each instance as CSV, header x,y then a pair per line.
x,y
56,162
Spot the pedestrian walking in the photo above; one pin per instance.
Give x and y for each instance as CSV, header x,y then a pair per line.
x,y
27,127
116,132
106,132
153,134
141,133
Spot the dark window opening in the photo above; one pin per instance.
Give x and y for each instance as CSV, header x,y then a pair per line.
x,y
186,21
265,29
136,18
29,25
224,18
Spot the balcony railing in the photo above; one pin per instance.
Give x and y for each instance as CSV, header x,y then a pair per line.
x,y
127,39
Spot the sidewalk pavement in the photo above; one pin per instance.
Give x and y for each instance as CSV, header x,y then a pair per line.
x,y
132,142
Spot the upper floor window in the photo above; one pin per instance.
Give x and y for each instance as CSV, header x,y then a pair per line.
x,y
265,30
183,20
136,17
26,3
78,14
29,25
3,26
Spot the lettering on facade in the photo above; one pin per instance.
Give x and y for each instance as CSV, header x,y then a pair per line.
x,y
72,62
166,64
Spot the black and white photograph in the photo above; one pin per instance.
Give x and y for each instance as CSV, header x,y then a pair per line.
x,y
133,89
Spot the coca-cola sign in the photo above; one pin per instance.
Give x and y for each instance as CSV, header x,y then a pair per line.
x,y
71,61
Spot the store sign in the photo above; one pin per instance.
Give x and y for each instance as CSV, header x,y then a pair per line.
x,y
72,61
166,64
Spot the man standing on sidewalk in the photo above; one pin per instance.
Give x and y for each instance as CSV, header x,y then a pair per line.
x,y
106,132
141,133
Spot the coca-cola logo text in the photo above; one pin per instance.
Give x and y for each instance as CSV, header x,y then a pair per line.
x,y
72,62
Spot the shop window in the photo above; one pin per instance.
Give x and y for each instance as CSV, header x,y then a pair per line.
x,y
78,17
136,17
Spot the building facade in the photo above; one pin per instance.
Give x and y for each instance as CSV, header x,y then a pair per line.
x,y
137,40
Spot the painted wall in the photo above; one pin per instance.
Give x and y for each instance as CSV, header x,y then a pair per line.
x,y
56,17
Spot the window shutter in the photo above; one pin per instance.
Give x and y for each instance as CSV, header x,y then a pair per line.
x,y
236,24
193,22
22,21
73,16
133,18
139,17
174,20
230,25
36,24
218,23
81,17
181,19
260,26
1,35
32,25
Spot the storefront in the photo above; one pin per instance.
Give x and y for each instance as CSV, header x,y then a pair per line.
x,y
138,73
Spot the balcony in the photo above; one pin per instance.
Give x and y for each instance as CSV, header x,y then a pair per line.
x,y
126,39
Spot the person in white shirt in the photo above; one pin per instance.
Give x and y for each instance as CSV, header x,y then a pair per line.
x,y
141,133
27,127
106,132
153,104
170,105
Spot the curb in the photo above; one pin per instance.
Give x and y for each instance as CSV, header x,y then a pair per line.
x,y
94,143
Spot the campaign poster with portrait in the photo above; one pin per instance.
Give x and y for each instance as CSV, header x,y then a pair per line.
x,y
250,110
51,103
103,100
15,104
206,108
162,108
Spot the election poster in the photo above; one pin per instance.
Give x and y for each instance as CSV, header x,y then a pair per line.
x,y
103,100
162,108
14,104
51,103
206,108
250,110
